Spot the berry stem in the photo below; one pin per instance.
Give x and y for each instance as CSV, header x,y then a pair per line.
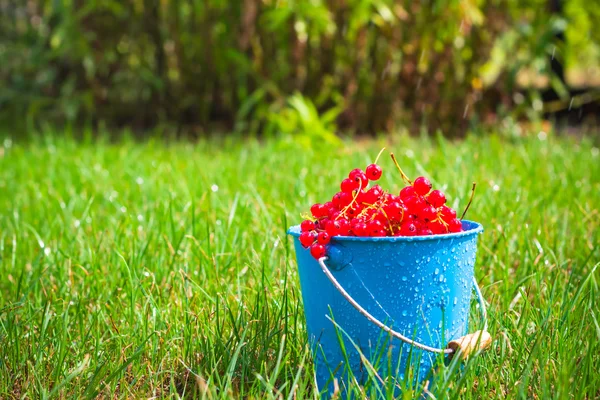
x,y
308,216
404,177
388,220
470,200
343,212
378,155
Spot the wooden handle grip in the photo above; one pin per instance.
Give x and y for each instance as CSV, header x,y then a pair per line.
x,y
471,343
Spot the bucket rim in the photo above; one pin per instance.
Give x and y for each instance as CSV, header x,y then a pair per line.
x,y
470,228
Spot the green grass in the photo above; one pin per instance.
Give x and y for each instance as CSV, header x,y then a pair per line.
x,y
144,269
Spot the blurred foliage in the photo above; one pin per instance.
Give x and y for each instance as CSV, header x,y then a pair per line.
x,y
361,65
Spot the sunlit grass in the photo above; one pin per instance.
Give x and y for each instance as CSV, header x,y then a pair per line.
x,y
144,269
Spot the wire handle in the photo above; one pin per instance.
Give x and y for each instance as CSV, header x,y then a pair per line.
x,y
480,339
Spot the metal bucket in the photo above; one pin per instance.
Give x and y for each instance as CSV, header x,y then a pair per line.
x,y
389,304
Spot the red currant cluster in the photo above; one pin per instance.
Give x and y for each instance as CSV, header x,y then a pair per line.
x,y
360,210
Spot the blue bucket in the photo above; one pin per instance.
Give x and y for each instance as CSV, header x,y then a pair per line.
x,y
417,288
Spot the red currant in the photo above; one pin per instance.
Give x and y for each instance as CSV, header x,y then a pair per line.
x,y
336,199
427,213
373,195
323,238
425,232
334,214
307,238
344,227
375,227
318,210
422,185
438,227
408,229
348,185
307,225
455,226
345,199
394,211
407,192
317,250
414,204
359,228
322,224
359,177
373,172
436,198
333,228
353,211
448,214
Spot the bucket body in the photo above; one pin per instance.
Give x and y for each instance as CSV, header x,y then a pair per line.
x,y
420,286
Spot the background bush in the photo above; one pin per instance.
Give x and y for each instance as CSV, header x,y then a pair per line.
x,y
362,65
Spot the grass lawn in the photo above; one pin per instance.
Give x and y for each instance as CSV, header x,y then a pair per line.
x,y
143,269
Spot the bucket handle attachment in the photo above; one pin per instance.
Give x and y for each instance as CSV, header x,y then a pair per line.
x,y
465,345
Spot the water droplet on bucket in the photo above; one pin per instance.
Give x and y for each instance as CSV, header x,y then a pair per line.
x,y
404,278
404,313
437,271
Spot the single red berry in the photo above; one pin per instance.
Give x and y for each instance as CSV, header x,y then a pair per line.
x,y
359,229
353,211
373,195
414,204
323,238
422,185
333,228
455,226
418,224
344,227
321,224
438,227
359,195
334,214
374,227
427,213
359,177
394,211
378,190
448,214
425,232
307,238
354,172
368,198
318,210
345,199
436,198
317,250
336,200
307,225
408,229
407,192
373,172
348,185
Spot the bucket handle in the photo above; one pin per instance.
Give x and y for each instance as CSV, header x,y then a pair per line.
x,y
466,345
